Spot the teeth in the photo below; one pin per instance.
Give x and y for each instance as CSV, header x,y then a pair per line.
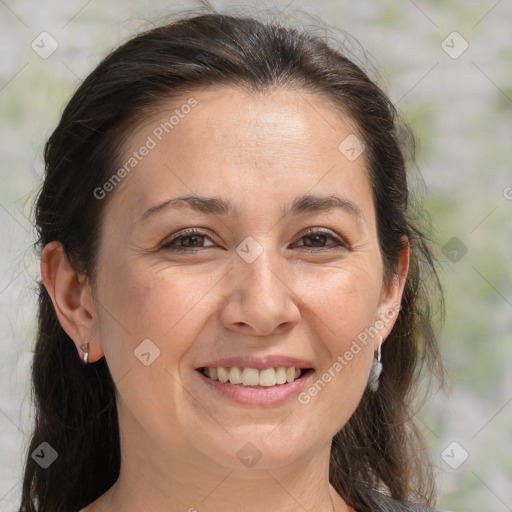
x,y
268,377
281,375
222,374
252,377
235,375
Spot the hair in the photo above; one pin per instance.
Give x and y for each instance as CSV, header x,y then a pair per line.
x,y
379,449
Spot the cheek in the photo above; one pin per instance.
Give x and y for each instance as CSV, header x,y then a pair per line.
x,y
344,307
137,305
345,299
159,303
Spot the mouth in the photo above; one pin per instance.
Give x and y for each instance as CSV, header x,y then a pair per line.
x,y
267,378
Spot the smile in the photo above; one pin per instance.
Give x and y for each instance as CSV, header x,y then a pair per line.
x,y
252,387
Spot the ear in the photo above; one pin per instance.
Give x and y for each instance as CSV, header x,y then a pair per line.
x,y
72,299
391,297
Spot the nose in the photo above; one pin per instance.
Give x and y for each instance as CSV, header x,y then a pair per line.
x,y
261,300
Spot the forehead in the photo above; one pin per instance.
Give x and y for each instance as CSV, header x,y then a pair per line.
x,y
228,141
234,117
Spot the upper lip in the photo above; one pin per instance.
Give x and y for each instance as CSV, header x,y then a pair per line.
x,y
260,363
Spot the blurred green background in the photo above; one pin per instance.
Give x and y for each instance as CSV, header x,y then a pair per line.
x,y
445,65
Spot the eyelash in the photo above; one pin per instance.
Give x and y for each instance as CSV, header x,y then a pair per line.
x,y
168,245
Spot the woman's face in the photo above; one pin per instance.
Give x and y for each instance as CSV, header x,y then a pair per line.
x,y
276,276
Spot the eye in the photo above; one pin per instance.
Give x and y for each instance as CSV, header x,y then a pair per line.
x,y
318,237
193,236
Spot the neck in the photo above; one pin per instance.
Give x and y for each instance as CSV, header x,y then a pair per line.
x,y
180,479
227,493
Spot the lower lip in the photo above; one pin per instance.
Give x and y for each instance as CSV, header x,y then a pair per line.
x,y
258,396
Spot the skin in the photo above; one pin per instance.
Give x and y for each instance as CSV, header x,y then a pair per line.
x,y
179,439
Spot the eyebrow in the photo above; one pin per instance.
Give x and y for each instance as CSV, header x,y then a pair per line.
x,y
216,206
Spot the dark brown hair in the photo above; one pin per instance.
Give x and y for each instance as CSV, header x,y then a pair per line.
x,y
379,449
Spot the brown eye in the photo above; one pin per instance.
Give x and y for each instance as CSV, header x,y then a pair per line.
x,y
192,238
318,239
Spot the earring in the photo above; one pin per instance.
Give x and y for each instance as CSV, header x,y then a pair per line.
x,y
85,348
376,369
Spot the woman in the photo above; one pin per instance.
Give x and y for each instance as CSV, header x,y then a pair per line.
x,y
233,313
